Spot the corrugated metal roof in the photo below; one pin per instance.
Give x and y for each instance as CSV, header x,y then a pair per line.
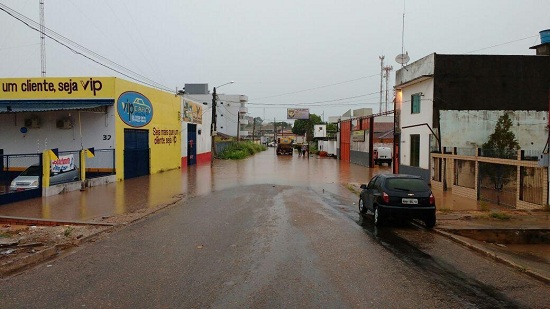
x,y
17,106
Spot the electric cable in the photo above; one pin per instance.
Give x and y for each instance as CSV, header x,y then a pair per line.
x,y
74,46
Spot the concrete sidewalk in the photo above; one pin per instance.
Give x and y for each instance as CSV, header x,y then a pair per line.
x,y
520,239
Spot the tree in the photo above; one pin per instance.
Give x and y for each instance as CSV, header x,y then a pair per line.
x,y
502,143
303,126
258,121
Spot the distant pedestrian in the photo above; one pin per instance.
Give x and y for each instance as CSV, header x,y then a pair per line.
x,y
304,148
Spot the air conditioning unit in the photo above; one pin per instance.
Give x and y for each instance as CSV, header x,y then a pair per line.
x,y
64,124
33,122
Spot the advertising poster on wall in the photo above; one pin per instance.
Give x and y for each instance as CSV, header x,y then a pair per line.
x,y
358,136
63,164
297,113
191,112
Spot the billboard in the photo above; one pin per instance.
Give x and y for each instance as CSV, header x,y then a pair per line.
x,y
297,113
320,130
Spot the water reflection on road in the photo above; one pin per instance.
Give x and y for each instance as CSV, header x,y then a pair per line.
x,y
149,191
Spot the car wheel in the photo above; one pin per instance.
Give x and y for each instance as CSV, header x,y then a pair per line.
x,y
377,217
430,221
362,208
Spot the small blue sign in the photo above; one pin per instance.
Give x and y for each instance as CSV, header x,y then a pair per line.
x,y
23,130
134,109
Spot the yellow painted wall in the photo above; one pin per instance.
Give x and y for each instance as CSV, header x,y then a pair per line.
x,y
57,88
164,128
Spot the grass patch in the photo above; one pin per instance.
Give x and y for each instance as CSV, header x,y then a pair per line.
x,y
500,216
353,189
241,150
484,206
4,235
68,231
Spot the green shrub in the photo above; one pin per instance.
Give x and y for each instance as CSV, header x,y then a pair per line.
x,y
500,216
241,150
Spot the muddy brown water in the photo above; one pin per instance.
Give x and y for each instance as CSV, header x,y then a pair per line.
x,y
153,190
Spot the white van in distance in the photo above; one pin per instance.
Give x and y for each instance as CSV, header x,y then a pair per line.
x,y
382,155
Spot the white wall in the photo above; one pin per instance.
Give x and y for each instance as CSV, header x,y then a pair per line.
x,y
227,110
425,116
98,130
204,140
470,129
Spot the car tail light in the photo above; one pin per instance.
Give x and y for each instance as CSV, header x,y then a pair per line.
x,y
432,199
385,197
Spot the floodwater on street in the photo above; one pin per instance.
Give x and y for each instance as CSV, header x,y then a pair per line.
x,y
153,190
150,191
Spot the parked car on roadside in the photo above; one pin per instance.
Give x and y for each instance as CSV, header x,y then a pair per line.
x,y
398,196
29,178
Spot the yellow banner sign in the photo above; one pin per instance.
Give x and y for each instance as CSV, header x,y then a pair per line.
x,y
57,88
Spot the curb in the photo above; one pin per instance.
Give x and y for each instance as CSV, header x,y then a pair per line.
x,y
493,256
20,264
45,222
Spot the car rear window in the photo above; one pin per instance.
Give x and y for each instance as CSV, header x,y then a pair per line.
x,y
32,171
408,184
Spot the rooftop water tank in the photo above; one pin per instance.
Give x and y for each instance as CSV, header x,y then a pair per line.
x,y
545,36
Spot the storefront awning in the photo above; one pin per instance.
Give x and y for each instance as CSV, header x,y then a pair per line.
x,y
17,106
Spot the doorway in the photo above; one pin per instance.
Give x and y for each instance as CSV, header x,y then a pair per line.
x,y
191,144
136,153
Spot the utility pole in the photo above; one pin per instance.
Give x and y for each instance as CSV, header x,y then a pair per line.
x,y
387,69
254,129
381,81
42,40
214,128
274,131
238,126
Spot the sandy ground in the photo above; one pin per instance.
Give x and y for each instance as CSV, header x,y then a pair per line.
x,y
18,242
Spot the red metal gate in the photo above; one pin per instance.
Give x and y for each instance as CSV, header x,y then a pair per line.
x,y
345,138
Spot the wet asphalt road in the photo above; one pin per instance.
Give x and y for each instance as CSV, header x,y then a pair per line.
x,y
294,244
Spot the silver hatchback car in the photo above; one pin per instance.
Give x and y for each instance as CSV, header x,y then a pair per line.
x,y
29,178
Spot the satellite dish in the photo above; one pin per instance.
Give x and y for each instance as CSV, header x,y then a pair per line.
x,y
402,58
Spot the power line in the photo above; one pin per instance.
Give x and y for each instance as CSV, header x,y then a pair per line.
x,y
529,37
315,88
84,52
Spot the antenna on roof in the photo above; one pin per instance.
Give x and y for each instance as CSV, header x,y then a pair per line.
x,y
403,58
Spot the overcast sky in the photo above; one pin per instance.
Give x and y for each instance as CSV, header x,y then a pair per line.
x,y
317,54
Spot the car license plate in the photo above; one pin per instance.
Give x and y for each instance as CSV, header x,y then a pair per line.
x,y
409,201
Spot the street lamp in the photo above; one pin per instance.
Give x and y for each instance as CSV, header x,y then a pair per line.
x,y
214,121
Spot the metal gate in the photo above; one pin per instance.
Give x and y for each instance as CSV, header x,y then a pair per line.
x,y
11,167
345,140
136,153
497,183
192,144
